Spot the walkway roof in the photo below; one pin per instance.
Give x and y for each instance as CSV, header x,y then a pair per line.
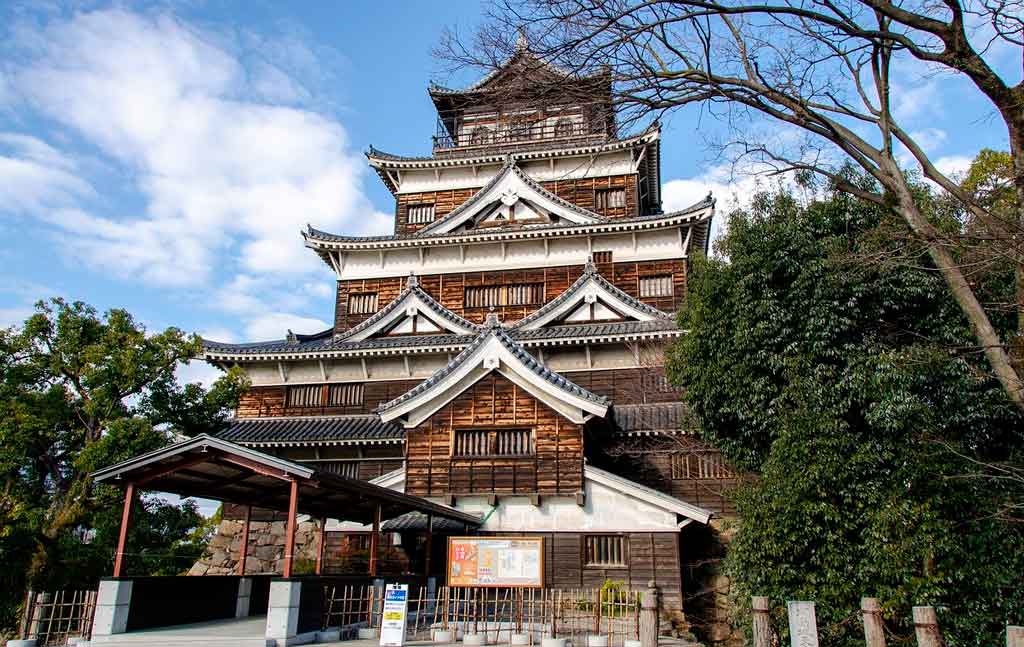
x,y
213,468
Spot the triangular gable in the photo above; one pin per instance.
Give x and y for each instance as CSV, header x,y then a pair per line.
x,y
494,350
413,312
512,197
590,299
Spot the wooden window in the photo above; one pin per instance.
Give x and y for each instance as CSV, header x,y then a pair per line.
x,y
481,135
605,550
348,469
656,286
342,395
564,127
306,396
362,303
420,214
484,296
610,199
602,257
700,465
492,442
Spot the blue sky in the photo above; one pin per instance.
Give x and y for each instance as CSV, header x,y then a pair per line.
x,y
163,158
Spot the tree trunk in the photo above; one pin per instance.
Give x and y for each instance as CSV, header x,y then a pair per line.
x,y
985,334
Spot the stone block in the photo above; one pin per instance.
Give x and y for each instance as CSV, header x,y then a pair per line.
x,y
328,636
597,641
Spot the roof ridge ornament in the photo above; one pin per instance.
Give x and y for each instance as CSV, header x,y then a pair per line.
x,y
292,338
412,281
522,40
589,267
492,322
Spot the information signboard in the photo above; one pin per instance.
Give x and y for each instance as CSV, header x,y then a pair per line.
x,y
496,561
392,625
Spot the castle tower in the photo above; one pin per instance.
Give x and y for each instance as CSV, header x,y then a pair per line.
x,y
502,350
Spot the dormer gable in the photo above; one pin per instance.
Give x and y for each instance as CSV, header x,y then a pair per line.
x,y
412,312
511,199
591,299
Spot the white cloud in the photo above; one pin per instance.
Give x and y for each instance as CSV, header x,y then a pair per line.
x,y
952,165
275,325
14,316
197,371
225,176
929,139
34,176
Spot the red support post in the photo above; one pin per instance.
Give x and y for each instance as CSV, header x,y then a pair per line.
x,y
243,546
122,538
374,542
323,543
289,539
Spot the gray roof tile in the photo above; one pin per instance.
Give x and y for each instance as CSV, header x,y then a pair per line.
x,y
307,430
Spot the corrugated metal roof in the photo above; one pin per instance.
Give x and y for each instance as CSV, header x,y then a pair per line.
x,y
326,429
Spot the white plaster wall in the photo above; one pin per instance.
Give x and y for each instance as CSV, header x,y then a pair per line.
x,y
659,244
566,168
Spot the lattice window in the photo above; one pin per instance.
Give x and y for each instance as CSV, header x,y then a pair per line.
x,y
610,199
341,395
656,286
700,465
304,397
421,213
362,303
493,442
348,469
481,135
605,550
602,257
484,296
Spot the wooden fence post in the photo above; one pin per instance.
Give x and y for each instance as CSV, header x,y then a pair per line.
x,y
803,625
649,616
1014,636
874,635
926,626
26,616
762,626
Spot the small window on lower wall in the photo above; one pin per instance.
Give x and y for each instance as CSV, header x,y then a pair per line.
x,y
362,303
472,443
303,397
656,286
341,395
605,551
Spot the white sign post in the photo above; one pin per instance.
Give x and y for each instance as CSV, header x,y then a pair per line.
x,y
392,627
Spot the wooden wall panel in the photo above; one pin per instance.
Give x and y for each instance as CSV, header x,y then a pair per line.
x,y
449,289
556,467
269,401
580,192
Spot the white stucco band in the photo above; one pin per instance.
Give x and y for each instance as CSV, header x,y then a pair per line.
x,y
612,504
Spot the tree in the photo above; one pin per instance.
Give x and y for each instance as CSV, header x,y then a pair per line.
x,y
78,392
852,390
823,68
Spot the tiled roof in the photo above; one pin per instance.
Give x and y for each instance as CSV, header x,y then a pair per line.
x,y
589,274
312,234
494,330
667,417
283,346
606,329
509,168
412,289
323,429
418,521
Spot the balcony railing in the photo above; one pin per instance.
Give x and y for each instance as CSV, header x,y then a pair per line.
x,y
482,132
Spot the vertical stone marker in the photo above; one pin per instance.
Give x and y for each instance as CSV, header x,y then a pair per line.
x,y
1014,636
803,625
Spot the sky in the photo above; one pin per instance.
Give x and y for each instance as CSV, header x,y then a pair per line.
x,y
164,158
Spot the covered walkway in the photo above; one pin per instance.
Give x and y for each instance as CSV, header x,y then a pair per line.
x,y
213,468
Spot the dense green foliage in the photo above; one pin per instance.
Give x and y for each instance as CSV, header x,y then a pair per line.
x,y
825,356
79,392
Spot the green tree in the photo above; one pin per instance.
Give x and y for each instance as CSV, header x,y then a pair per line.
x,y
836,366
77,392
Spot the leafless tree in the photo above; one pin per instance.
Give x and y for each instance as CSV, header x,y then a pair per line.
x,y
824,68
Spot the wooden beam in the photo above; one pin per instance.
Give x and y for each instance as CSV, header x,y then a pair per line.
x,y
256,467
243,546
429,544
289,538
164,470
122,537
375,541
320,549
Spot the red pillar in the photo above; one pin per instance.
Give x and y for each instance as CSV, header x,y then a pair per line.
x,y
243,546
323,542
374,542
122,538
289,538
